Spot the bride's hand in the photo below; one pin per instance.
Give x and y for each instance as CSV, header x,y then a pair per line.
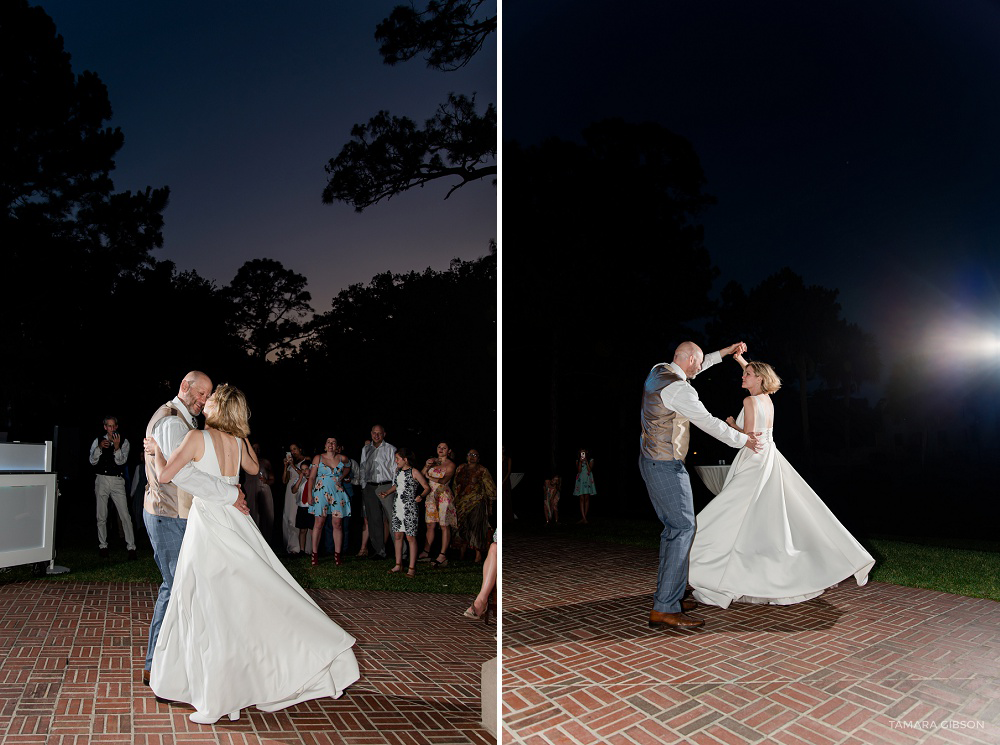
x,y
149,446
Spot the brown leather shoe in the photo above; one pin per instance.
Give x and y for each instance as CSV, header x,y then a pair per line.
x,y
689,604
145,677
674,620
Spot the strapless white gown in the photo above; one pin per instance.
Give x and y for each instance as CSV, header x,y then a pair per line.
x,y
238,630
768,537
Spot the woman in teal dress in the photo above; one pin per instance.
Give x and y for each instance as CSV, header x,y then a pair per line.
x,y
328,498
584,482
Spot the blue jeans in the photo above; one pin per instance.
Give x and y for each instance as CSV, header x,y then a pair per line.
x,y
166,534
669,488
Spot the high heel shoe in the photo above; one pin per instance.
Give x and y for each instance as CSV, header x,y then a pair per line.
x,y
336,558
470,612
199,717
315,558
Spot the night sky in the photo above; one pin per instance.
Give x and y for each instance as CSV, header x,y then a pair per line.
x,y
237,107
857,143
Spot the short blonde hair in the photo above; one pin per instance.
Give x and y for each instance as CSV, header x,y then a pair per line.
x,y
769,380
232,414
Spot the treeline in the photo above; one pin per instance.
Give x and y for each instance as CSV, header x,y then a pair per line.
x,y
613,272
92,323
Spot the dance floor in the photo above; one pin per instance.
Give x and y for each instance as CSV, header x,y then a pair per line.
x,y
71,658
859,665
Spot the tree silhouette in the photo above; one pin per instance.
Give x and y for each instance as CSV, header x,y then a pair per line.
x,y
268,305
70,243
390,155
610,264
798,329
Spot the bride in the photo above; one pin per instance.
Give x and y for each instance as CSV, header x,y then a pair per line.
x,y
220,646
767,537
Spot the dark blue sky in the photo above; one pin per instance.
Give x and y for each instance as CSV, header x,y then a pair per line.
x,y
856,142
237,107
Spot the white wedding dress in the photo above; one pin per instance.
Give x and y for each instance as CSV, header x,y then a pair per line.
x,y
767,537
238,630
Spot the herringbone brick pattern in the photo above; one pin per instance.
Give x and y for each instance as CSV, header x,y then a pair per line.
x,y
875,665
71,658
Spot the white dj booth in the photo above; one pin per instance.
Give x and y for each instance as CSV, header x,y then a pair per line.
x,y
27,503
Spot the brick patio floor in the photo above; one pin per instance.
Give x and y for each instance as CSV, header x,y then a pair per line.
x,y
860,665
71,656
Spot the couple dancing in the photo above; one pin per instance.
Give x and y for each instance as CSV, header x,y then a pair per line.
x,y
231,628
766,537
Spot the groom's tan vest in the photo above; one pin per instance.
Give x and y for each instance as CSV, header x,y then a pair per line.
x,y
665,433
165,500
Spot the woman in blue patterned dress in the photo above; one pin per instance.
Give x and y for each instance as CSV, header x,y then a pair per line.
x,y
404,509
327,497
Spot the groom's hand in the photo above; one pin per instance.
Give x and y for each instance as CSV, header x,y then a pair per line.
x,y
752,442
241,501
737,348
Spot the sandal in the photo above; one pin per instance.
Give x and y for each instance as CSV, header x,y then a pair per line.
x,y
424,556
396,569
411,572
439,564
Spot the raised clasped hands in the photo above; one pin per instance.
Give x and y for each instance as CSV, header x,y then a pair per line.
x,y
737,348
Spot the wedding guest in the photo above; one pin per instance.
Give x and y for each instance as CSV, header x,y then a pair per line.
x,y
439,507
552,490
328,498
304,520
584,486
404,515
356,480
108,455
480,607
475,497
348,484
291,479
377,461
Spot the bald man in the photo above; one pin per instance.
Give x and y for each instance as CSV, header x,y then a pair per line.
x,y
670,405
166,506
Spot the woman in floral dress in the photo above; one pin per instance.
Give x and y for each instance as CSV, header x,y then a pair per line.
x,y
328,498
475,496
439,509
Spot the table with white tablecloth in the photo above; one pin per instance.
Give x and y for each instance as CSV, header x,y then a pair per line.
x,y
713,477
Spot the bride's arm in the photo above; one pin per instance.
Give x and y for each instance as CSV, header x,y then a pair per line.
x,y
748,414
249,459
739,358
192,447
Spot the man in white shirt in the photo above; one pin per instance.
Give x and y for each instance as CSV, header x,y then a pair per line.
x,y
108,456
166,506
670,405
378,465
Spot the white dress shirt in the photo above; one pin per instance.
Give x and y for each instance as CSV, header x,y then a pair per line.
x,y
683,398
382,467
121,454
168,433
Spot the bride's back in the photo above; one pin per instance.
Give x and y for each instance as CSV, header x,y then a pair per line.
x,y
227,451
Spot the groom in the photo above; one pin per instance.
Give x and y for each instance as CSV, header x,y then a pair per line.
x,y
166,506
670,405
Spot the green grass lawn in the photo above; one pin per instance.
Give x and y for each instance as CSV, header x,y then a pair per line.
x,y
959,567
460,577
